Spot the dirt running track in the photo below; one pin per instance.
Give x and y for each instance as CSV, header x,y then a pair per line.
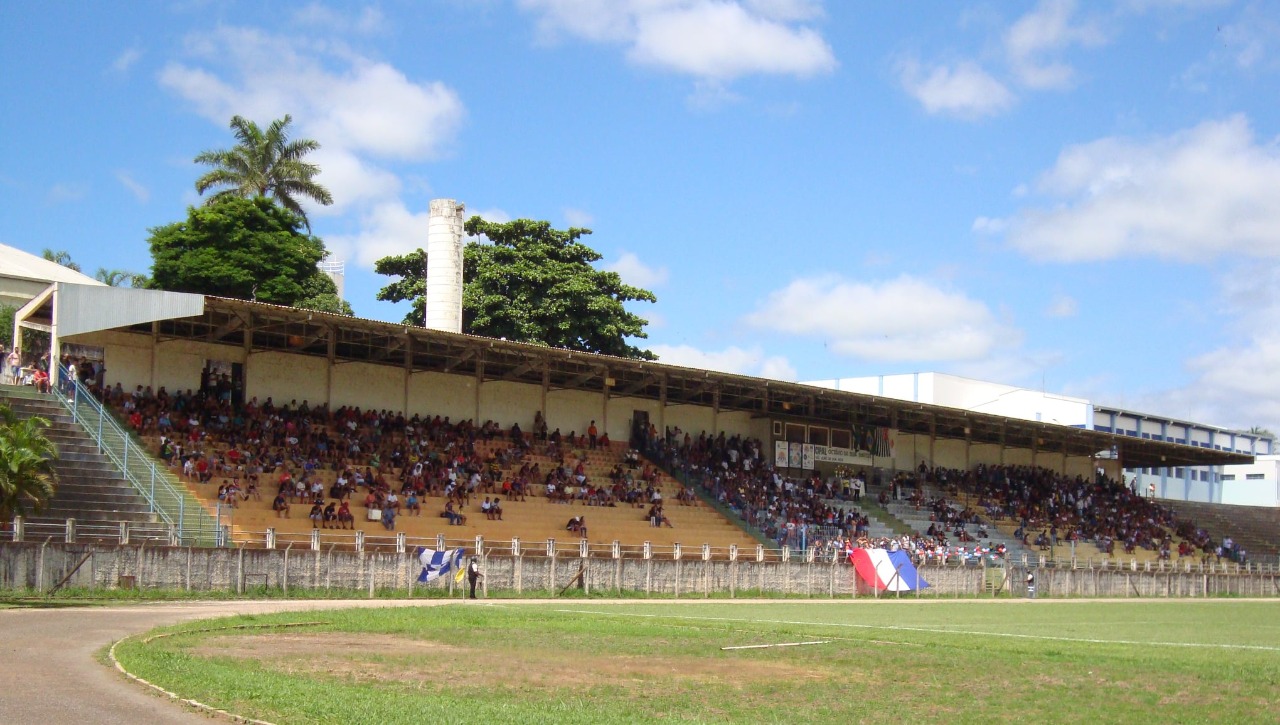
x,y
48,657
52,675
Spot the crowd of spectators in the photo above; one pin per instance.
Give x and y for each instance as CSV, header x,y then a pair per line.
x,y
1052,508
398,462
391,464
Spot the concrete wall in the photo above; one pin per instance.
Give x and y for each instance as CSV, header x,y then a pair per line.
x,y
949,453
34,566
691,419
368,387
734,423
509,402
573,410
443,395
284,377
621,410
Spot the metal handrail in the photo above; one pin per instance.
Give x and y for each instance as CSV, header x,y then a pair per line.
x,y
163,499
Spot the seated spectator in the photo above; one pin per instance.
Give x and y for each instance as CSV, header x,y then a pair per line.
x,y
495,510
330,515
280,506
411,503
577,525
455,518
316,515
389,518
345,519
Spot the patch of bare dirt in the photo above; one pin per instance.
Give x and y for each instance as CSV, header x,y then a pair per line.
x,y
389,658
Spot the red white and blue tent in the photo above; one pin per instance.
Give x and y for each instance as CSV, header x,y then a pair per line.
x,y
886,571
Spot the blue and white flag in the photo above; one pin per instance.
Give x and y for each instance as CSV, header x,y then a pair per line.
x,y
436,564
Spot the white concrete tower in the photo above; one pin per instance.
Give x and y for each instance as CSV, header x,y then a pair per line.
x,y
444,266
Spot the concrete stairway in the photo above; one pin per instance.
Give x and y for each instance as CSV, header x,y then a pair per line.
x,y
919,521
90,489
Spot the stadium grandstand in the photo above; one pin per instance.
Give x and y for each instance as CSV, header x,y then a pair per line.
x,y
218,390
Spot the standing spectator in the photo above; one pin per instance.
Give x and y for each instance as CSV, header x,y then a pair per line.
x,y
473,574
15,365
1031,585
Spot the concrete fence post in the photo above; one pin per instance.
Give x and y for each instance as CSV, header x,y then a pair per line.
x,y
733,552
71,531
515,546
315,539
675,551
359,540
271,537
759,552
706,552
439,542
400,543
584,549
648,550
616,549
19,528
479,546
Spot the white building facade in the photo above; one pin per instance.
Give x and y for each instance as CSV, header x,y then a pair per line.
x,y
1256,484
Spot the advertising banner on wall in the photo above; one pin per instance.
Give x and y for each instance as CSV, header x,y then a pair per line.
x,y
796,456
807,456
839,456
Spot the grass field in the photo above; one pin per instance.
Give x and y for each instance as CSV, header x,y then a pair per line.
x,y
592,662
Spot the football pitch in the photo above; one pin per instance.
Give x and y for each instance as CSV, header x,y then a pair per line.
x,y
798,661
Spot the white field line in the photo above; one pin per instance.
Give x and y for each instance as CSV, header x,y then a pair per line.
x,y
779,644
935,630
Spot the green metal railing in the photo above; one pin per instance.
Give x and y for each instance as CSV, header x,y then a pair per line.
x,y
720,508
168,498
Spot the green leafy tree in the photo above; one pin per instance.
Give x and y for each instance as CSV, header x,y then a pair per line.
x,y
27,477
7,313
62,257
264,163
250,249
121,278
321,294
531,283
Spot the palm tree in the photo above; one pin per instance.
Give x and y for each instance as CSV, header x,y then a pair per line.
x,y
62,257
27,477
264,163
120,278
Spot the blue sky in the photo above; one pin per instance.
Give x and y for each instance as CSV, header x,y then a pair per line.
x,y
1079,195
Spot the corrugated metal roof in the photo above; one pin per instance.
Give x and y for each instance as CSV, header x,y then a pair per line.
x,y
16,263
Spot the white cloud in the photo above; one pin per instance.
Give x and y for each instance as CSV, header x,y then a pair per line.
x,y
1061,306
386,229
709,39
578,218
733,359
62,193
363,112
965,90
637,273
338,98
987,225
1235,384
126,60
903,319
352,180
368,21
140,192
1035,37
1192,195
495,215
